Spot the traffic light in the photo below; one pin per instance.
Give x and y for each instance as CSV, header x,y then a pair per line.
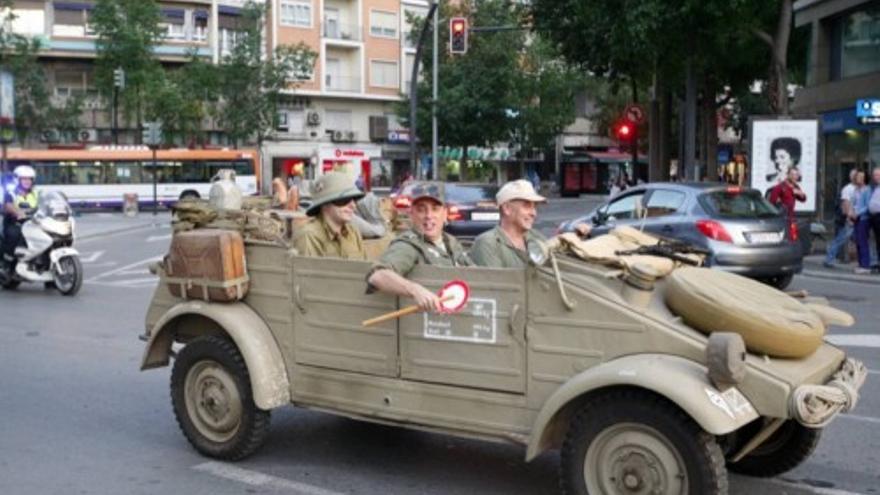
x,y
624,132
151,134
119,78
458,35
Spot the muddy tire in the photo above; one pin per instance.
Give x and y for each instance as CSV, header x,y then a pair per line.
x,y
636,442
786,449
213,402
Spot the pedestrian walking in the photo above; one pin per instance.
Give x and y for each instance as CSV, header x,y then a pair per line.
x,y
862,224
874,211
844,221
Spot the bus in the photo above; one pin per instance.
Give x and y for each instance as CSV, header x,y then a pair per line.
x,y
100,177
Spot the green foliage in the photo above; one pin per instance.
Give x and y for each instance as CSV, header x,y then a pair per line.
x,y
35,110
127,31
182,99
251,88
507,87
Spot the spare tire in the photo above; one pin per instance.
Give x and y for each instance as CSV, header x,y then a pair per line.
x,y
769,321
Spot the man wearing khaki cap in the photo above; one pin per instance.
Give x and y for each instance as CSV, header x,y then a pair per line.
x,y
505,245
330,233
426,243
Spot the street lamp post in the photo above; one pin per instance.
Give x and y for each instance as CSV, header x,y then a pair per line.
x,y
414,91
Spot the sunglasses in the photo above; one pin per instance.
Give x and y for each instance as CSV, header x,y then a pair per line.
x,y
342,202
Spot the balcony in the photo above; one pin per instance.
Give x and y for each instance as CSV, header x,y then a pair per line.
x,y
347,84
333,30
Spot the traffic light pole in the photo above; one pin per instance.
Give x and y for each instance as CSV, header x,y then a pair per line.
x,y
155,183
414,92
434,132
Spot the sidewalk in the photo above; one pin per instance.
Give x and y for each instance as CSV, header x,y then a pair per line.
x,y
89,225
813,267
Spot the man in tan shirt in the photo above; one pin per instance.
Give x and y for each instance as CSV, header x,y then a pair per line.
x,y
330,233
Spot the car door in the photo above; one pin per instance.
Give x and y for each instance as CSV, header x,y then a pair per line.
x,y
664,212
483,346
329,305
622,210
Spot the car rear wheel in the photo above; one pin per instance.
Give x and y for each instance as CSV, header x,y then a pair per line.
x,y
628,442
779,281
213,402
786,449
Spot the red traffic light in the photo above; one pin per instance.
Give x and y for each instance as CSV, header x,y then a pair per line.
x,y
458,34
624,131
458,25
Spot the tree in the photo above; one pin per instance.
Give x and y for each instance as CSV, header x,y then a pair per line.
x,y
127,31
508,87
182,99
35,110
251,87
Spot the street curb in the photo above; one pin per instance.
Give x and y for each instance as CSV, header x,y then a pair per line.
x,y
870,279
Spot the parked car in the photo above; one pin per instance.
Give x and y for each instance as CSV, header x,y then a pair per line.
x,y
742,231
472,207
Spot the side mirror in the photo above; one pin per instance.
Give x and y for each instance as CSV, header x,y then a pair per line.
x,y
538,252
600,218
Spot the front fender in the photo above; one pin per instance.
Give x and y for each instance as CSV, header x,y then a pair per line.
x,y
57,254
682,381
247,330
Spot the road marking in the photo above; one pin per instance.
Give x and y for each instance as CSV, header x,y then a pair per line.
x,y
854,340
873,372
856,417
818,490
91,258
254,478
163,237
127,269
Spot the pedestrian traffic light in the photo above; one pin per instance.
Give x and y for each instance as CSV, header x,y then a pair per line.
x,y
119,78
458,35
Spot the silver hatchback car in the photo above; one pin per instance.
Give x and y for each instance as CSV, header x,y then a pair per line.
x,y
741,230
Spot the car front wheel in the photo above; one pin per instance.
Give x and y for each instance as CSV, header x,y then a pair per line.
x,y
212,400
786,449
627,442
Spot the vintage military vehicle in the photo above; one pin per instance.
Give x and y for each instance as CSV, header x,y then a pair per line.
x,y
565,354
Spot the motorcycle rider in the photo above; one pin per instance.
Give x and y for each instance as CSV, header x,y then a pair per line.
x,y
15,203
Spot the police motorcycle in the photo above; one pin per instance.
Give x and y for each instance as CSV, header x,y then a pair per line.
x,y
47,254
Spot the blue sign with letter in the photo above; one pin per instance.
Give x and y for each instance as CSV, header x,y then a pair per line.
x,y
868,111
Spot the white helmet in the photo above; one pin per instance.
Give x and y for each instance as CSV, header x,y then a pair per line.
x,y
24,172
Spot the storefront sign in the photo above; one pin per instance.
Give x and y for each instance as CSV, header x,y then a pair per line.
x,y
398,136
868,111
339,153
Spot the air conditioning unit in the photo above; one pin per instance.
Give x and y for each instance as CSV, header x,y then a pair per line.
x,y
337,136
92,104
50,136
313,118
378,128
87,135
350,136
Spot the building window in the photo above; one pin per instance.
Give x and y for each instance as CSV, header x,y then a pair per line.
x,y
28,18
337,120
298,14
383,24
71,82
72,19
412,22
172,24
384,74
860,42
200,25
296,121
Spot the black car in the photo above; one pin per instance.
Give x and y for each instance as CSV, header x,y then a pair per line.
x,y
743,232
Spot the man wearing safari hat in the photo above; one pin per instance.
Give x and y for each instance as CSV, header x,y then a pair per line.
x,y
330,233
425,243
505,246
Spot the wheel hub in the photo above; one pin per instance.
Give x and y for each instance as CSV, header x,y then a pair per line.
x,y
213,401
635,470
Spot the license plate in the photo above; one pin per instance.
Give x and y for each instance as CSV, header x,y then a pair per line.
x,y
485,216
765,237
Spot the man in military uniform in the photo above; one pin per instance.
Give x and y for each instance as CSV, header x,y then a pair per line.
x,y
425,243
506,246
330,233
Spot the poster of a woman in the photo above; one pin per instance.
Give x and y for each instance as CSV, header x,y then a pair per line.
x,y
779,145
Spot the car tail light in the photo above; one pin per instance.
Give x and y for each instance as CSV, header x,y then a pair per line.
x,y
793,232
402,202
713,230
454,214
733,190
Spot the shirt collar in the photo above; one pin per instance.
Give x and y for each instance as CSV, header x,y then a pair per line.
x,y
333,235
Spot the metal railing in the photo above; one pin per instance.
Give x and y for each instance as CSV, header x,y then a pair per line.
x,y
340,31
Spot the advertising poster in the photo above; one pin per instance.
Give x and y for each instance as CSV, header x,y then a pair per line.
x,y
779,145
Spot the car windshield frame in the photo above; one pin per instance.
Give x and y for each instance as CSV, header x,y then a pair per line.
x,y
467,195
760,207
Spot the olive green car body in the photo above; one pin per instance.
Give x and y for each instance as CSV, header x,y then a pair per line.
x,y
514,366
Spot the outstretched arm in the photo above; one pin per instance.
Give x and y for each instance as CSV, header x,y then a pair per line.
x,y
389,281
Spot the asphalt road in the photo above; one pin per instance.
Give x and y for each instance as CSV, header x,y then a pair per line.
x,y
79,418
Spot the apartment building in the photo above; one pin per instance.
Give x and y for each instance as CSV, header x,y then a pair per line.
x,y
341,116
203,27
